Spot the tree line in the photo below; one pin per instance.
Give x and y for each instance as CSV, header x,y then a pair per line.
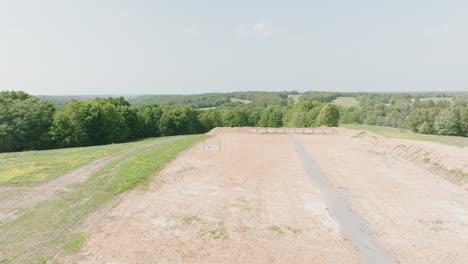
x,y
30,123
429,116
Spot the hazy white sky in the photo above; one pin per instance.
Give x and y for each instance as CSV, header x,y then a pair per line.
x,y
161,47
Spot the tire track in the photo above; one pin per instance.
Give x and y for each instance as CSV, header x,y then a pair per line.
x,y
23,199
353,227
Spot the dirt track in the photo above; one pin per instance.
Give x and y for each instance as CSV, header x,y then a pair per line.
x,y
17,200
254,202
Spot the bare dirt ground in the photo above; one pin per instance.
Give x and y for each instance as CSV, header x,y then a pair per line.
x,y
436,157
17,200
255,202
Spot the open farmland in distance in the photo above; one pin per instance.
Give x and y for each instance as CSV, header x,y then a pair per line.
x,y
346,101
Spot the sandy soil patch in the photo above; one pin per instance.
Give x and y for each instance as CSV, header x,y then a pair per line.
x,y
250,203
253,202
419,216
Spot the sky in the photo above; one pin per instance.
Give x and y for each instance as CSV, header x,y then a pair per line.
x,y
69,47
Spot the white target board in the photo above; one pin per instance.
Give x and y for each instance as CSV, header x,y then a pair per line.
x,y
215,148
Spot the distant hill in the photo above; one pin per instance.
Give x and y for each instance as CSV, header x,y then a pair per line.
x,y
62,99
193,100
209,100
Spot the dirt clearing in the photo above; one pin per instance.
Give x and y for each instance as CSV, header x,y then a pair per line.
x,y
254,202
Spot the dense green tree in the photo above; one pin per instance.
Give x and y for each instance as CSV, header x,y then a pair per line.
x,y
180,120
24,122
235,117
69,125
463,114
349,115
272,116
210,119
420,115
328,116
447,123
149,116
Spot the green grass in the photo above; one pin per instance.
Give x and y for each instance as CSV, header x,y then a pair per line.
x,y
33,167
436,99
295,97
346,101
406,134
276,229
240,100
50,228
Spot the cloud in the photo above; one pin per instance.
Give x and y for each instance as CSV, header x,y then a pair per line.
x,y
261,28
192,30
440,29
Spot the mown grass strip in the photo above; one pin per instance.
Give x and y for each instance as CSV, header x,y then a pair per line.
x,y
34,167
48,229
346,101
406,134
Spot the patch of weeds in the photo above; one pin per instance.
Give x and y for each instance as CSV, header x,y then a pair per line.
x,y
293,230
360,134
276,229
215,234
188,220
459,172
43,260
75,243
218,233
427,160
456,172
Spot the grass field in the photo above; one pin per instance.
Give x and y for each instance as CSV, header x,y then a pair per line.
x,y
33,167
406,134
436,99
346,101
240,100
295,97
50,228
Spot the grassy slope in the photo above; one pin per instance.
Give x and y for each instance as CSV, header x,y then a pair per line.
x,y
436,99
405,134
346,101
49,228
32,167
240,100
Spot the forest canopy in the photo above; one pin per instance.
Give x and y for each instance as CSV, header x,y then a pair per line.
x,y
28,122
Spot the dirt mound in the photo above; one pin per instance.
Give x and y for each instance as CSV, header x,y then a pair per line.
x,y
450,162
245,130
228,130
